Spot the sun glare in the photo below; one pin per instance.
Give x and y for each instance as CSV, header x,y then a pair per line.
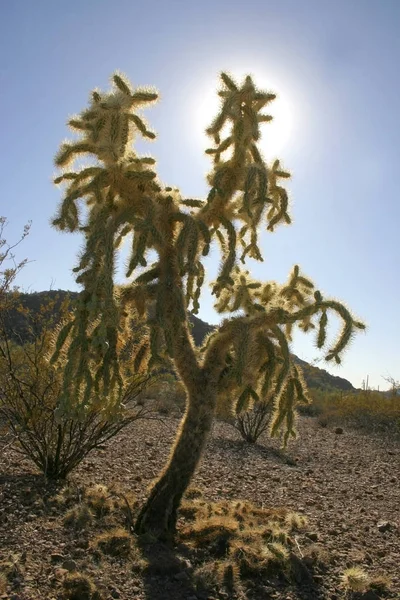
x,y
274,135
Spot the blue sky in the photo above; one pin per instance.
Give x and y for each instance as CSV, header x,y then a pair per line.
x,y
335,64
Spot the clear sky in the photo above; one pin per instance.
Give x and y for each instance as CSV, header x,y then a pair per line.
x,y
335,65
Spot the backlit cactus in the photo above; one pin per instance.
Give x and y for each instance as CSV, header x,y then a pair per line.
x,y
248,356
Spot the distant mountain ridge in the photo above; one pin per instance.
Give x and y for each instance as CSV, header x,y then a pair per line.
x,y
316,378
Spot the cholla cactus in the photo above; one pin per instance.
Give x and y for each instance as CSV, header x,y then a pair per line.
x,y
248,356
355,579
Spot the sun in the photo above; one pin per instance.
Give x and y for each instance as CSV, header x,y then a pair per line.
x,y
275,135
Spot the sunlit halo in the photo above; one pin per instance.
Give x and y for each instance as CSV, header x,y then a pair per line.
x,y
275,135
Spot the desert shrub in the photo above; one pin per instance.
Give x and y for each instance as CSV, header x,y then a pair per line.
x,y
321,399
371,411
253,423
31,388
169,395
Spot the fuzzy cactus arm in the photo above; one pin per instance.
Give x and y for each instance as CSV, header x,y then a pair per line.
x,y
120,194
240,185
273,374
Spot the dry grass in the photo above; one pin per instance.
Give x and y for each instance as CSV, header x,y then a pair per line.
x,y
371,411
69,496
80,587
380,584
79,517
116,542
95,504
99,499
315,555
169,395
193,492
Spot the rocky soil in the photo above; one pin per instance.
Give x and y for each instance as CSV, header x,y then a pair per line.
x,y
348,485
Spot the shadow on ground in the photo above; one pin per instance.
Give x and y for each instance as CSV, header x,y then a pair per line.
x,y
242,449
169,573
170,576
24,498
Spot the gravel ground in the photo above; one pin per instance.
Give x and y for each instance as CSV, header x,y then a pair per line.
x,y
346,484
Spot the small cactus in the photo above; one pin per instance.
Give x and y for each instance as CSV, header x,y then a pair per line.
x,y
355,579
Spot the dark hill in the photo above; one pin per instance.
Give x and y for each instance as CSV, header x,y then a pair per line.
x,y
315,377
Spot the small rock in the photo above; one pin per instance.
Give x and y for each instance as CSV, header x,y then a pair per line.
x,y
185,563
69,565
384,526
30,517
338,430
115,593
55,558
313,536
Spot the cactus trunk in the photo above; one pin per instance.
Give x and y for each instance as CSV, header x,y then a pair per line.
x,y
160,512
